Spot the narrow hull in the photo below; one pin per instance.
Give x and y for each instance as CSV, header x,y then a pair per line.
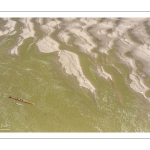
x,y
21,100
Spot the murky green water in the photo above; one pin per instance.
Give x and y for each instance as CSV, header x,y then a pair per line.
x,y
61,105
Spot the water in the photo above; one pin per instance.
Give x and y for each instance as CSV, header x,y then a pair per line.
x,y
61,105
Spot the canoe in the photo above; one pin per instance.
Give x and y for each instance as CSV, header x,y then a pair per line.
x,y
21,100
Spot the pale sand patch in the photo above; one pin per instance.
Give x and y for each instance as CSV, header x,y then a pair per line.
x,y
50,26
110,44
15,49
40,21
47,45
103,50
107,24
123,47
83,40
69,19
143,55
27,31
113,34
140,52
64,37
88,22
13,32
125,39
137,83
119,33
71,63
10,26
103,73
82,37
106,39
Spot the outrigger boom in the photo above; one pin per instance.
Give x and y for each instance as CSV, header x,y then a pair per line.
x,y
21,100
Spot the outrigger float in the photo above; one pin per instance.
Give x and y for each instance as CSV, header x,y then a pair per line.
x,y
21,100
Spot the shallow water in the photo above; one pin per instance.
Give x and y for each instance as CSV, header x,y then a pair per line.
x,y
61,105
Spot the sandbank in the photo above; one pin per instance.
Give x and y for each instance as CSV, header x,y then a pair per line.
x,y
71,63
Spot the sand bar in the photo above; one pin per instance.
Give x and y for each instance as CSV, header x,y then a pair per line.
x,y
48,45
103,73
27,31
71,63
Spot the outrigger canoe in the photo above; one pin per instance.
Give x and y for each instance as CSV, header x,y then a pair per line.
x,y
21,100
